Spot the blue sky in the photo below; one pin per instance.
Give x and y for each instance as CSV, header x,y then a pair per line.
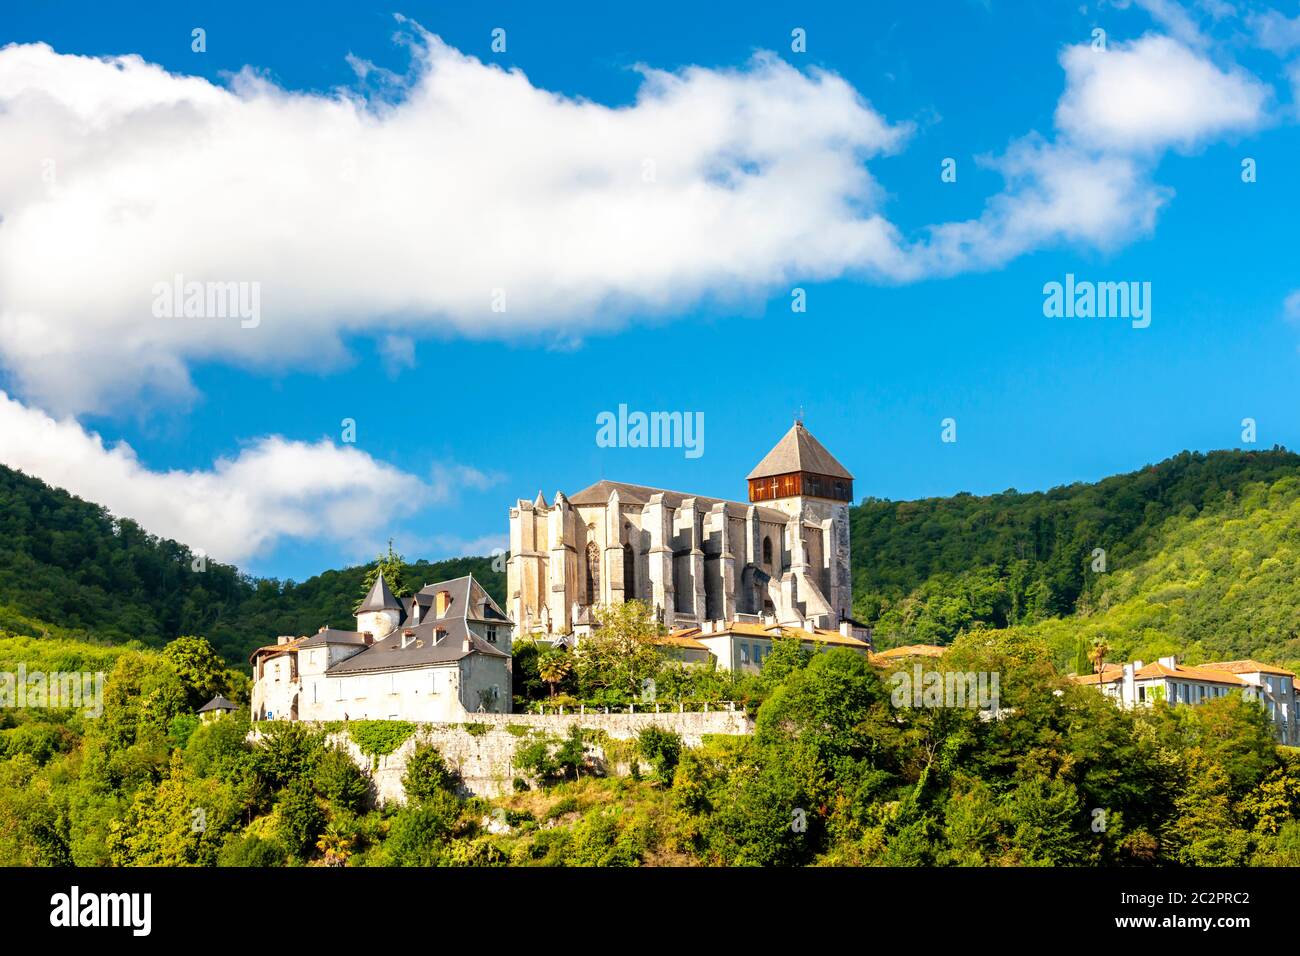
x,y
480,414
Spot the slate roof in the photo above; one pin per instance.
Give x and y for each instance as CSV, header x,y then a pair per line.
x,y
330,635
798,450
218,703
598,494
380,598
422,650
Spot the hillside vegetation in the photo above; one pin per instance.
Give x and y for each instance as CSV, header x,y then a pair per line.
x,y
1197,559
72,563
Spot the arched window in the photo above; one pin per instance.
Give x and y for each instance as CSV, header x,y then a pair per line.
x,y
593,572
629,573
767,550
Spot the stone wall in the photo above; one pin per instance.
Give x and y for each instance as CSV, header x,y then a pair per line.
x,y
484,755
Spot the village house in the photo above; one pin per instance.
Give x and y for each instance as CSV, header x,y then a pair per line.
x,y
441,654
1141,685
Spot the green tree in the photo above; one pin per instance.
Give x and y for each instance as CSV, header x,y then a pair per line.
x,y
392,565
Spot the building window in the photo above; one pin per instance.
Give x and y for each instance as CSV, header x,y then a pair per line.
x,y
593,573
492,634
744,654
629,573
767,550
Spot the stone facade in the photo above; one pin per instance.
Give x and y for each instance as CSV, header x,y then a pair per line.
x,y
782,557
442,654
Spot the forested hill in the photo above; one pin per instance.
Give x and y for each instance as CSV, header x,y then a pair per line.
x,y
71,563
926,570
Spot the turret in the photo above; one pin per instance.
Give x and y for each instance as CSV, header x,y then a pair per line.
x,y
381,611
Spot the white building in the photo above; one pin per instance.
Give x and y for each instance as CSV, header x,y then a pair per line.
x,y
441,654
1139,685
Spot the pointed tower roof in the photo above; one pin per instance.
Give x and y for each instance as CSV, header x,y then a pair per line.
x,y
540,501
380,598
799,451
217,703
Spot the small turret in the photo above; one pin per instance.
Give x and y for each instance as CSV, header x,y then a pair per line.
x,y
381,611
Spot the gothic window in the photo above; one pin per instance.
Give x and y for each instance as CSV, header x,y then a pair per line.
x,y
593,572
629,573
767,550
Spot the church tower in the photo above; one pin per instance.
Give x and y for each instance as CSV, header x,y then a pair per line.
x,y
801,478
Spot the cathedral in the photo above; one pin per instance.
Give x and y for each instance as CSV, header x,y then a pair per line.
x,y
780,558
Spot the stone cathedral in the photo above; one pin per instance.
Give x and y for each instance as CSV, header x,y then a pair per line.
x,y
782,557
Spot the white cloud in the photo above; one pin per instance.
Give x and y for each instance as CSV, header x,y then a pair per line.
x,y
1092,183
1152,94
1291,306
365,217
406,217
1275,31
273,490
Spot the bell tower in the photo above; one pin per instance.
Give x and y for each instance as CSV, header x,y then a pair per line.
x,y
804,480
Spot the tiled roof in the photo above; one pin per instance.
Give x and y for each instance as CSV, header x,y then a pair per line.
x,y
911,650
1155,670
746,629
799,451
680,639
1247,666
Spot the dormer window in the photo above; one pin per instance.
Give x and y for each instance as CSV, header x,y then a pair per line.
x,y
408,638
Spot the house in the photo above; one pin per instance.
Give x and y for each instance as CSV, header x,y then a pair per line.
x,y
215,708
741,646
441,654
1137,684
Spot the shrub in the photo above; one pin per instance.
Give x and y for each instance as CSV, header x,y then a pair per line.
x,y
428,774
250,851
663,749
339,780
301,819
379,738
420,832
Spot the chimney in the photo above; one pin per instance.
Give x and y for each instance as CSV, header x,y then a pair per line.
x,y
284,639
1128,687
1171,662
468,644
846,629
415,610
322,630
443,602
368,637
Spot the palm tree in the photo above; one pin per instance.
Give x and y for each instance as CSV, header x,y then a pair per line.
x,y
1098,657
553,667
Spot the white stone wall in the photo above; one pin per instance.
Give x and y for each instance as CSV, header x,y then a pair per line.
x,y
485,760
